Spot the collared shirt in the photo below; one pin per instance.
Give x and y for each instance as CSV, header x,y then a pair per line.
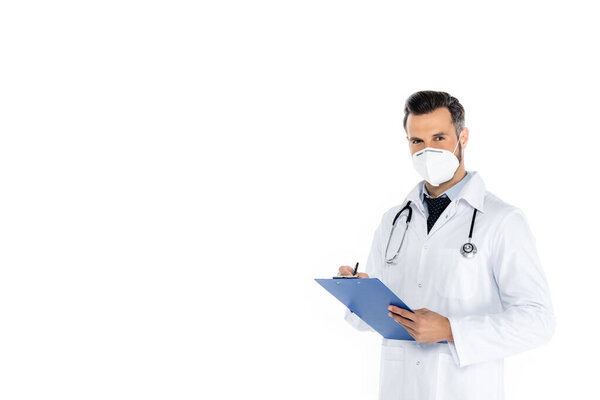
x,y
451,193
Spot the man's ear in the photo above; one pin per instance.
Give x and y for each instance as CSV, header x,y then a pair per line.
x,y
464,137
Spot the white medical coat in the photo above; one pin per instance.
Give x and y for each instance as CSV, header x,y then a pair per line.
x,y
497,302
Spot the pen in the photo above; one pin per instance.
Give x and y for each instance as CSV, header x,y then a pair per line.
x,y
356,269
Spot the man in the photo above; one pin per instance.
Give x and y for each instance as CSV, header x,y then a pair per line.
x,y
467,266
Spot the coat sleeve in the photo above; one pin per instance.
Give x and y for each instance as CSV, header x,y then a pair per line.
x,y
527,319
374,262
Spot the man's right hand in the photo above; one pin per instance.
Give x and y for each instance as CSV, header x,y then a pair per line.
x,y
346,270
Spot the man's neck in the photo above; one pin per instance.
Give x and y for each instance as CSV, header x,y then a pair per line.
x,y
435,191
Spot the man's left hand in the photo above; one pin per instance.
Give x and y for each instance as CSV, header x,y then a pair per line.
x,y
423,325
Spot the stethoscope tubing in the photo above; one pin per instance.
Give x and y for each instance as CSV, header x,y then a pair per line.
x,y
468,250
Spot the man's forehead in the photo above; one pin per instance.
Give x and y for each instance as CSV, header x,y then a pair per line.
x,y
437,121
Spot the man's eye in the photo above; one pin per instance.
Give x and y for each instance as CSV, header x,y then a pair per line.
x,y
415,141
440,137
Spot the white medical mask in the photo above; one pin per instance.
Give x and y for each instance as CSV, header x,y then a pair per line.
x,y
436,165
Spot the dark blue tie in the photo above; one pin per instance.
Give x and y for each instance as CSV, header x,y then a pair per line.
x,y
435,207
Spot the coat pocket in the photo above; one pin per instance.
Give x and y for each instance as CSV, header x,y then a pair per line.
x,y
473,382
456,277
447,387
391,374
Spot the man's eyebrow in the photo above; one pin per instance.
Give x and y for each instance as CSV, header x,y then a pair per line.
x,y
435,135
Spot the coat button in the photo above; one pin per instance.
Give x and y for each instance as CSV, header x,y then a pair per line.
x,y
420,285
418,362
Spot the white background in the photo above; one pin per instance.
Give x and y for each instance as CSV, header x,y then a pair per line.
x,y
173,175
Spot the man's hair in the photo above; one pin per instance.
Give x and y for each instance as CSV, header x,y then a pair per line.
x,y
426,101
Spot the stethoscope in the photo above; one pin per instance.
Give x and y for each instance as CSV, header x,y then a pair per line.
x,y
468,250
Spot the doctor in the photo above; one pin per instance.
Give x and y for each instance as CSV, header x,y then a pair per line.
x,y
486,305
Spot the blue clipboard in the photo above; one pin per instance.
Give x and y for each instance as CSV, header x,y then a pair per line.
x,y
369,299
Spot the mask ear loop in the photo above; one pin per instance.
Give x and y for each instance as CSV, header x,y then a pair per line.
x,y
457,142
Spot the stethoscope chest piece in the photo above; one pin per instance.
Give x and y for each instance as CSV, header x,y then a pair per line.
x,y
468,250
